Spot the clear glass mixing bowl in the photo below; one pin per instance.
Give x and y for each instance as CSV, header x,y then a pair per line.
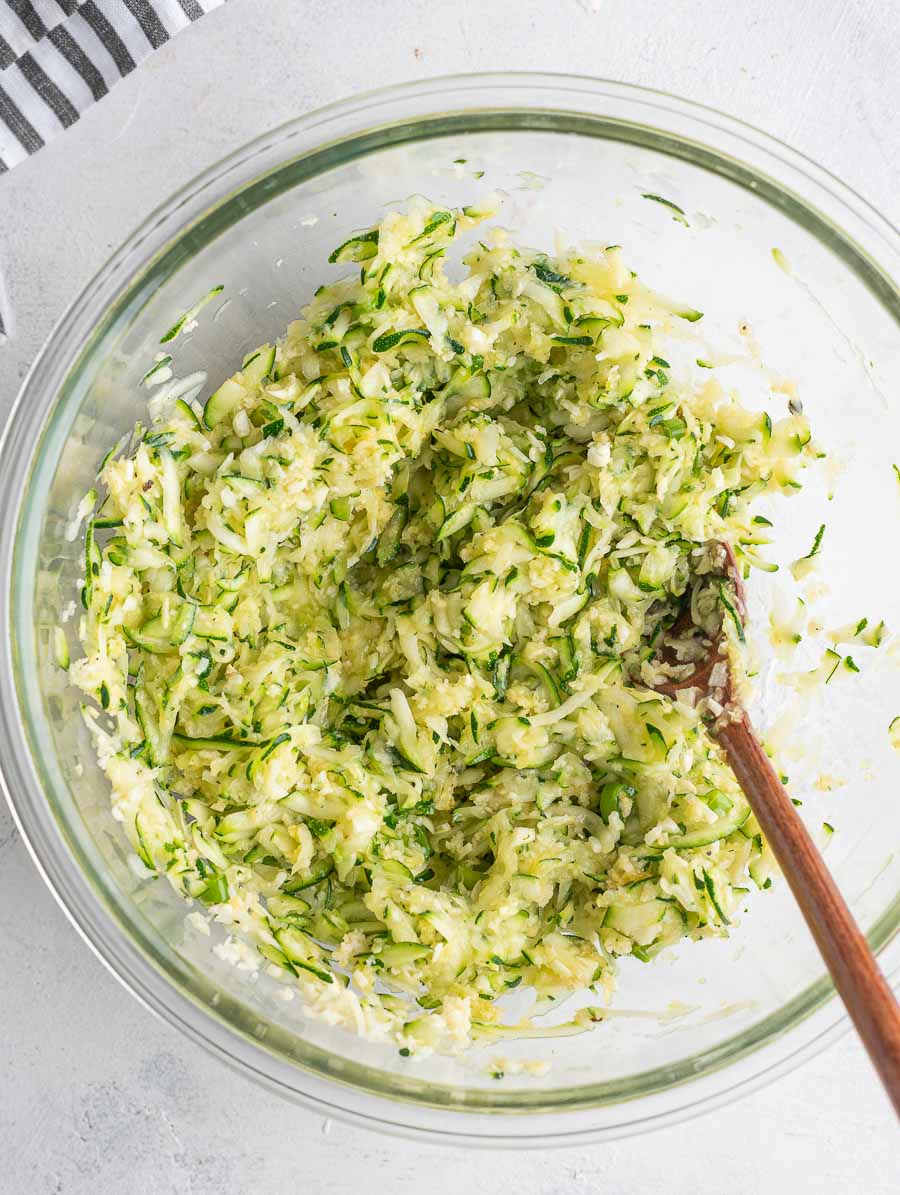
x,y
574,156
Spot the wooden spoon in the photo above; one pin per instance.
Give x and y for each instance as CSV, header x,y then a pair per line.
x,y
857,977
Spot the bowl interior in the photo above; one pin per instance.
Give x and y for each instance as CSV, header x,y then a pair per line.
x,y
822,318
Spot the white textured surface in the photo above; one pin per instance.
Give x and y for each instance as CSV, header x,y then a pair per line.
x,y
96,1096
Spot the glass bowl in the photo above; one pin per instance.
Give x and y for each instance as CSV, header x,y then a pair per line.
x,y
576,158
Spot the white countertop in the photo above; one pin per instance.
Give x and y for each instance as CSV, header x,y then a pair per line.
x,y
96,1095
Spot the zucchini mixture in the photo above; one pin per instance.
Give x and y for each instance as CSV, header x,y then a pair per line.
x,y
373,635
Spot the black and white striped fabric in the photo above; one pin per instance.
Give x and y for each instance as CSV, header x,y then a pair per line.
x,y
58,56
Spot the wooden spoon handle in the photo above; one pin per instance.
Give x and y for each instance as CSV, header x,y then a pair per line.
x,y
857,976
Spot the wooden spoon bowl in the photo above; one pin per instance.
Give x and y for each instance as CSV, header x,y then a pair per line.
x,y
857,977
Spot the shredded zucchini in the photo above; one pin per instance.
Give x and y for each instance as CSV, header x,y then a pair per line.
x,y
374,634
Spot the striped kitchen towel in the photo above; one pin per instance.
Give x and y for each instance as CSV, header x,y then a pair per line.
x,y
58,56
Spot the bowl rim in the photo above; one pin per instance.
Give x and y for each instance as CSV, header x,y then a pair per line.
x,y
350,121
